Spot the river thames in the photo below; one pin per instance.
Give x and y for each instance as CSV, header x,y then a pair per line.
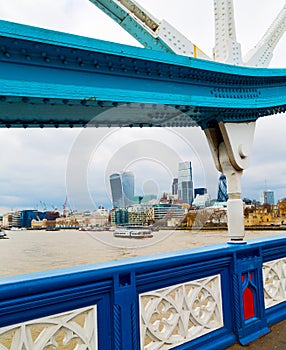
x,y
33,251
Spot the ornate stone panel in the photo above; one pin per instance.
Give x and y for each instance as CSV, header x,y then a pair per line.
x,y
274,279
71,330
180,313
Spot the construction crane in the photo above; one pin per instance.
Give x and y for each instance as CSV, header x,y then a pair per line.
x,y
162,36
65,207
44,206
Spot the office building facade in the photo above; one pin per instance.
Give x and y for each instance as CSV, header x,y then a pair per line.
x,y
116,190
175,186
127,188
267,197
222,195
200,191
185,182
122,189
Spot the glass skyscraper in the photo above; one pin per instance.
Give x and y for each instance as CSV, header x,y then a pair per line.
x,y
122,189
267,197
116,190
222,195
127,188
185,182
175,186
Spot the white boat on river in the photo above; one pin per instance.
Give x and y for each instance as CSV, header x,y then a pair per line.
x,y
133,233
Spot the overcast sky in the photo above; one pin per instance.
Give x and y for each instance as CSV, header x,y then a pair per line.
x,y
43,165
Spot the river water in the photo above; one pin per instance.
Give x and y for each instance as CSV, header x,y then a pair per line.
x,y
34,251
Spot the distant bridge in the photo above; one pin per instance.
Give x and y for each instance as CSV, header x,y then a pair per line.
x,y
55,79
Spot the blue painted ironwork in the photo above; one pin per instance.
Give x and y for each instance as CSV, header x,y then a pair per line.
x,y
248,274
114,287
55,79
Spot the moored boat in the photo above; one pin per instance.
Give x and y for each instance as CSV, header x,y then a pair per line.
x,y
3,234
96,228
138,233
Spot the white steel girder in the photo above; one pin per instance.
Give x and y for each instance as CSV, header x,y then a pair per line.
x,y
162,36
227,49
146,29
262,53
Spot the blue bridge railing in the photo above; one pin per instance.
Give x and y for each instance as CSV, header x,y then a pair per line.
x,y
206,298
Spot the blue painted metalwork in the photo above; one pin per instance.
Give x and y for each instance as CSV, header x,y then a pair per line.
x,y
115,286
56,79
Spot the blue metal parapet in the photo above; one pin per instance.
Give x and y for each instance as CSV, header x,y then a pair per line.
x,y
206,298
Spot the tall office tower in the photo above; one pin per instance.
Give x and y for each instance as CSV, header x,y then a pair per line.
x,y
127,188
267,197
185,182
222,195
175,186
116,190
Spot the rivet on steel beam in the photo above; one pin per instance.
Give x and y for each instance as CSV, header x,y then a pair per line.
x,y
2,98
46,100
25,99
8,126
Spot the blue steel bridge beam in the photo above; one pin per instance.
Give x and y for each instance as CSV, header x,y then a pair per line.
x,y
56,79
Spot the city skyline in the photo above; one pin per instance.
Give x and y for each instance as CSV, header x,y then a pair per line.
x,y
35,163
